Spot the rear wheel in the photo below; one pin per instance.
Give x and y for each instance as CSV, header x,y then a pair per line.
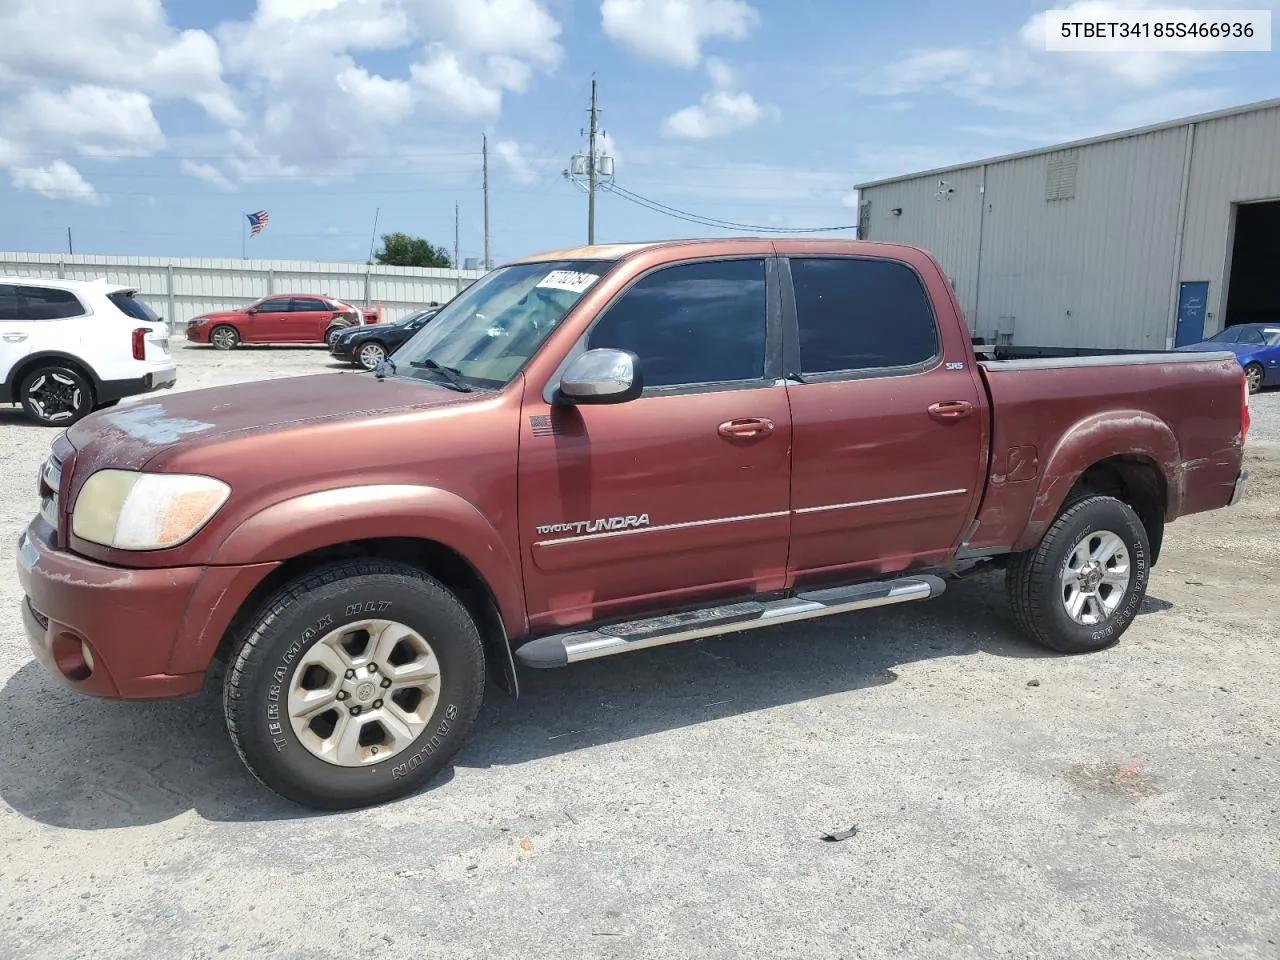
x,y
1253,376
55,396
224,337
354,685
371,354
332,334
1080,588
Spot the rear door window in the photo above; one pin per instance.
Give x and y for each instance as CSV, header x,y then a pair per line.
x,y
48,303
9,309
134,306
861,315
310,304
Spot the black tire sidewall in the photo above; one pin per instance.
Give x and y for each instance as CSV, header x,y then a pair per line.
x,y
1089,517
86,395
266,736
331,334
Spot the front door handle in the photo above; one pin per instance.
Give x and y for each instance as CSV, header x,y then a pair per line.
x,y
949,410
746,427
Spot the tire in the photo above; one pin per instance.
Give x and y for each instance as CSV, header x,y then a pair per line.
x,y
273,669
1040,584
56,396
1253,376
369,355
331,333
224,337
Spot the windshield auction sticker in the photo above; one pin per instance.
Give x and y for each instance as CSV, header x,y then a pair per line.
x,y
570,280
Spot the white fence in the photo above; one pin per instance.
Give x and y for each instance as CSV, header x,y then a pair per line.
x,y
181,288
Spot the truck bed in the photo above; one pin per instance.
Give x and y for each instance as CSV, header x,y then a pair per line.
x,y
1172,418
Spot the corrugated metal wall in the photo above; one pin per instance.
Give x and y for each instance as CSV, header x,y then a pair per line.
x,y
1100,269
180,289
1235,160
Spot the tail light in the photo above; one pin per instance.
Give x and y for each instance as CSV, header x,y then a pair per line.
x,y
1244,408
140,343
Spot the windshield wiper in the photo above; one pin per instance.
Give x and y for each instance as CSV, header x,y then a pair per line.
x,y
449,373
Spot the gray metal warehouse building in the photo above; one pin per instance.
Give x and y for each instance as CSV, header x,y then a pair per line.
x,y
1139,240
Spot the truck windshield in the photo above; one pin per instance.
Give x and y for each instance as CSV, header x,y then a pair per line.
x,y
487,333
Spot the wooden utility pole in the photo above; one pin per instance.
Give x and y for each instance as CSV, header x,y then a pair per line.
x,y
487,263
591,170
457,264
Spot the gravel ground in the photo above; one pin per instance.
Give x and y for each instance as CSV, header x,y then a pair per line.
x,y
671,803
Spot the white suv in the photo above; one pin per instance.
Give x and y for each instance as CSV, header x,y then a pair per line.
x,y
69,347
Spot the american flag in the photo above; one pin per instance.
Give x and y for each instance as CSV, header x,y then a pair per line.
x,y
257,221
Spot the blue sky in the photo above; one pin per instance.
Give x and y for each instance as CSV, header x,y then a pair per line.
x,y
148,125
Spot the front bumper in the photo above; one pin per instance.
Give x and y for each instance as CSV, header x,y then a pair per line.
x,y
343,351
149,634
1238,492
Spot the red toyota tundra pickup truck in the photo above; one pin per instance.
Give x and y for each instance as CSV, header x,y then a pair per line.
x,y
591,452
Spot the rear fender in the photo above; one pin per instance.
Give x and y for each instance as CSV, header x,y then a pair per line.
x,y
329,518
1117,433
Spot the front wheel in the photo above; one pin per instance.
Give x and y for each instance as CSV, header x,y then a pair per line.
x,y
354,685
55,396
1253,377
224,337
370,355
1080,588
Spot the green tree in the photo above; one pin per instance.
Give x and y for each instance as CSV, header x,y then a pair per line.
x,y
402,250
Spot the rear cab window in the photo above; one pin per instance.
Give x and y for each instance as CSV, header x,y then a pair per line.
x,y
862,316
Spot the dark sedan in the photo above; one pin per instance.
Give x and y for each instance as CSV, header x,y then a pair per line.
x,y
367,346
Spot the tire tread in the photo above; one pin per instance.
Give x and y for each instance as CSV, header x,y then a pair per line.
x,y
248,655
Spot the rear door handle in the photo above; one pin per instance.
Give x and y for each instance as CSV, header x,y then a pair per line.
x,y
746,427
950,410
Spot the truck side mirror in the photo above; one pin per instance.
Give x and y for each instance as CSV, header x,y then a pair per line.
x,y
601,376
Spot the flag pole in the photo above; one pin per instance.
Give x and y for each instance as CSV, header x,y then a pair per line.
x,y
243,218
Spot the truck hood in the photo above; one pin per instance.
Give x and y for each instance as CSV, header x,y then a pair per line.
x,y
132,434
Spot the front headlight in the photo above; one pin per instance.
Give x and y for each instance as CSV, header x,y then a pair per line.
x,y
145,511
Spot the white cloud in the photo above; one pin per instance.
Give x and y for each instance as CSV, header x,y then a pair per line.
x,y
57,181
206,172
299,60
721,73
1015,74
719,113
722,110
93,121
511,155
452,90
127,44
673,31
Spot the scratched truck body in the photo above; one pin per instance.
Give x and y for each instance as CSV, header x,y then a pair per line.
x,y
591,452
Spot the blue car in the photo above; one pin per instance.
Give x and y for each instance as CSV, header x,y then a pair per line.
x,y
1257,345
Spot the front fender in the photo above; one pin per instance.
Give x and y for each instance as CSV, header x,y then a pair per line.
x,y
1117,433
327,518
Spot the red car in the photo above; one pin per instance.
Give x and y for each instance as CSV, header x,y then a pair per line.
x,y
284,318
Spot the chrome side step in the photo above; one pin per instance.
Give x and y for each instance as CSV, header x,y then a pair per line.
x,y
561,649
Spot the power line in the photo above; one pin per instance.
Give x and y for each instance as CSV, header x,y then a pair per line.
x,y
667,210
